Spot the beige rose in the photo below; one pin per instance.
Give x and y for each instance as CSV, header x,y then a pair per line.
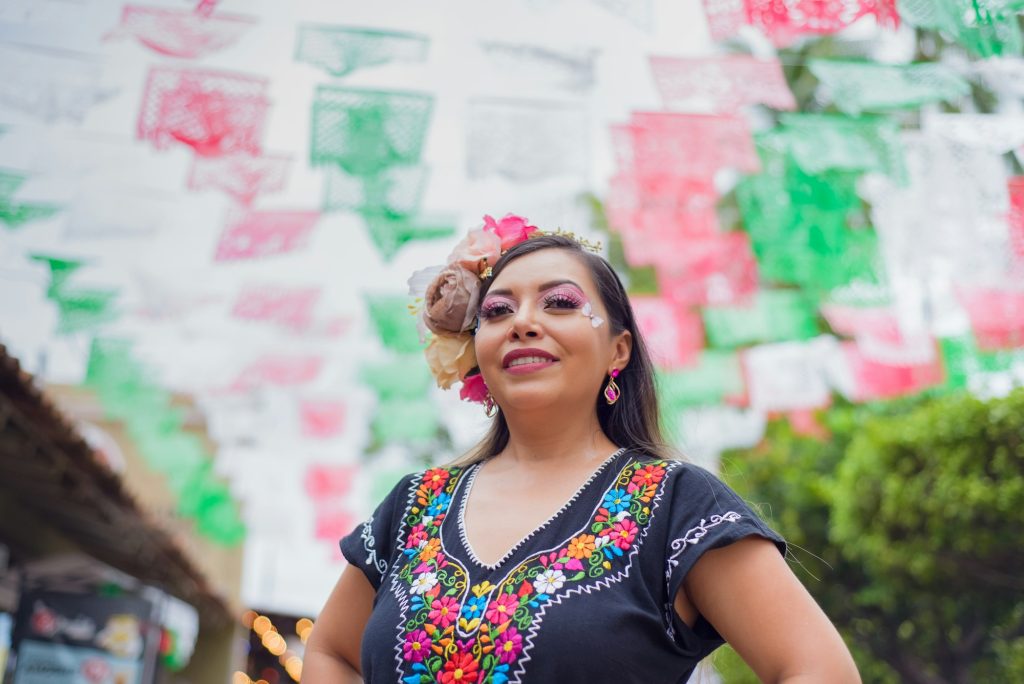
x,y
450,357
449,304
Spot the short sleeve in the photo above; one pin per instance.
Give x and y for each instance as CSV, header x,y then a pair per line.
x,y
706,514
372,545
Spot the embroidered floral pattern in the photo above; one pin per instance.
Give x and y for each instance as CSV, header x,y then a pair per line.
x,y
456,633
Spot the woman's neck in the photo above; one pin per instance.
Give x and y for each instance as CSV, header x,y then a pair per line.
x,y
548,441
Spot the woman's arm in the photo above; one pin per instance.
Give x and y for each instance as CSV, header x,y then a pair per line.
x,y
748,593
332,652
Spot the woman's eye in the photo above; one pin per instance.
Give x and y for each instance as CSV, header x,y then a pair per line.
x,y
561,301
494,310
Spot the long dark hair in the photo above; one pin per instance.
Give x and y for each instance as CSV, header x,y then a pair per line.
x,y
631,422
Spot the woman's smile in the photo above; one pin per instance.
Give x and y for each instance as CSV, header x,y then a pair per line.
x,y
523,361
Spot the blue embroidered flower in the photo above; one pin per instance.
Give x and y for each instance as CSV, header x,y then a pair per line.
x,y
500,675
474,608
439,504
617,500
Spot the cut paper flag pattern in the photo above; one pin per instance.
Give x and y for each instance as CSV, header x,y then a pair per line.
x,y
213,112
243,176
784,21
51,85
14,213
340,50
257,234
525,141
212,208
187,34
720,85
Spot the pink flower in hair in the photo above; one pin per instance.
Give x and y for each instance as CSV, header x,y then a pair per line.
x,y
478,245
512,229
474,388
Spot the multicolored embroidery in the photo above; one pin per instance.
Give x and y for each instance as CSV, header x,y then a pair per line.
x,y
454,633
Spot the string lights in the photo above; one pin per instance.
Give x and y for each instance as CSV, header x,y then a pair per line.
x,y
275,643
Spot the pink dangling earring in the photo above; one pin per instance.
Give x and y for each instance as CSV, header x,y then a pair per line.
x,y
611,390
490,407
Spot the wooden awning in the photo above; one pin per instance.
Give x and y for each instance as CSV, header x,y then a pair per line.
x,y
52,476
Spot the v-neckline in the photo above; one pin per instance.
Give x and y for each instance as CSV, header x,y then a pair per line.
x,y
464,501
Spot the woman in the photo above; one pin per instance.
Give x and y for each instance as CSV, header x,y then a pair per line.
x,y
568,546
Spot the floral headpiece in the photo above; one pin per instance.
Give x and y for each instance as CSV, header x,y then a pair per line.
x,y
447,298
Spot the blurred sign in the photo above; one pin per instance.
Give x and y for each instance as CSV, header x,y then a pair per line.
x,y
80,639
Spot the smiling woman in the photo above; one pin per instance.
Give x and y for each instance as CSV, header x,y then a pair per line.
x,y
568,545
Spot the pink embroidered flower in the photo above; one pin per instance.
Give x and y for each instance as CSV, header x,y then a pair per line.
x,y
622,533
435,478
512,229
444,611
417,535
461,668
501,609
509,645
417,646
478,245
474,388
552,559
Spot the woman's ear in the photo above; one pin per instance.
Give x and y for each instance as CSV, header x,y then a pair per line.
x,y
623,349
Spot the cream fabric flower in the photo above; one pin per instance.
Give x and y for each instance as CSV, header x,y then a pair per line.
x,y
450,357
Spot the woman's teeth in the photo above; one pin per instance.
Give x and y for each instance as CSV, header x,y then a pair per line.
x,y
523,360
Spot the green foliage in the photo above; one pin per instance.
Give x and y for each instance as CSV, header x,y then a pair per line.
x,y
904,526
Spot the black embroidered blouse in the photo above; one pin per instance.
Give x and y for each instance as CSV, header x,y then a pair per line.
x,y
585,598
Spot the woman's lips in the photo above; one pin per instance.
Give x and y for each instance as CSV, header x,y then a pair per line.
x,y
527,360
531,366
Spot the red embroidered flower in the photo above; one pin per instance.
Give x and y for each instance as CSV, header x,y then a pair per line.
x,y
444,611
460,669
648,475
435,478
501,609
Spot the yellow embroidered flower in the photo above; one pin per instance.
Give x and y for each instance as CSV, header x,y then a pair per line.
x,y
450,357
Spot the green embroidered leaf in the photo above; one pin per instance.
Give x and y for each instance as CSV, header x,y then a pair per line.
x,y
578,576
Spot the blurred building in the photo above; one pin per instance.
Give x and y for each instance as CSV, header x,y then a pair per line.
x,y
99,579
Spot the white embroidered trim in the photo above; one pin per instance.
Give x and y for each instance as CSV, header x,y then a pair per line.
x,y
692,536
371,553
465,499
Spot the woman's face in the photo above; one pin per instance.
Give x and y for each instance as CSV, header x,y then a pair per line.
x,y
536,346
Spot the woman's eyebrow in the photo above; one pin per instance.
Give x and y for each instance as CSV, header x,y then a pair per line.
x,y
540,288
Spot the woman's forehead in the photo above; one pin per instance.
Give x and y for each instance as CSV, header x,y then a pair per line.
x,y
547,265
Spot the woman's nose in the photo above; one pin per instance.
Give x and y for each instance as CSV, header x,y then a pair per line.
x,y
524,323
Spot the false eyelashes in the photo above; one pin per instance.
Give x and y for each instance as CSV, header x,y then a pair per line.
x,y
557,298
